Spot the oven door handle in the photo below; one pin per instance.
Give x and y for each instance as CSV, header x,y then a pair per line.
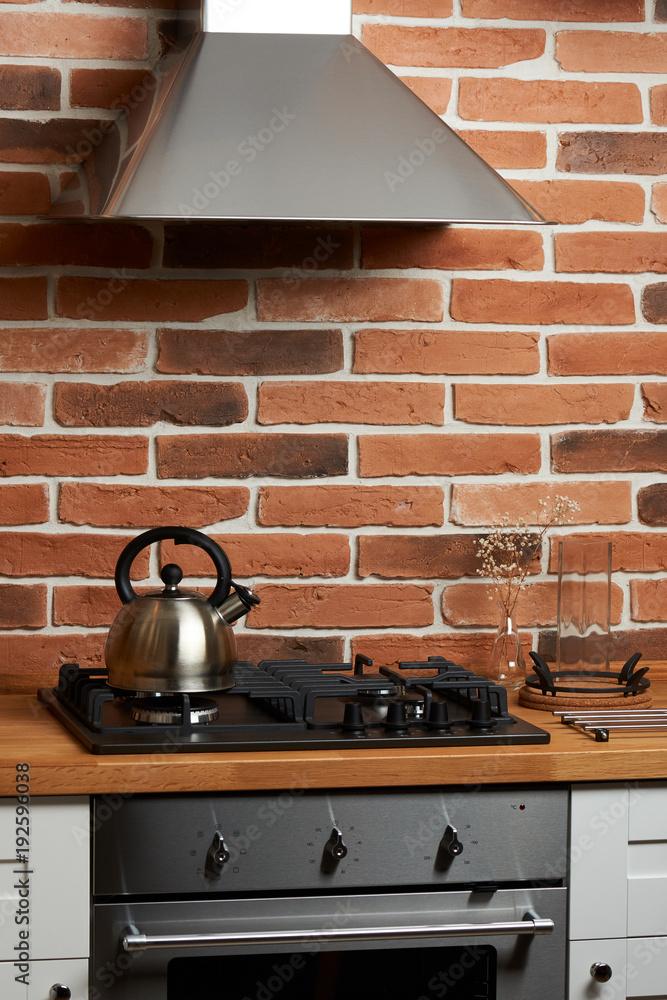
x,y
531,925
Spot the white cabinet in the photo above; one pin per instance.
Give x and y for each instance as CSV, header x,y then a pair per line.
x,y
618,890
45,900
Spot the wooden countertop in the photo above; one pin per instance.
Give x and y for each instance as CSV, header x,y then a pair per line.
x,y
59,765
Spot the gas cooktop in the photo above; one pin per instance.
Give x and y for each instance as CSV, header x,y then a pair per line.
x,y
294,705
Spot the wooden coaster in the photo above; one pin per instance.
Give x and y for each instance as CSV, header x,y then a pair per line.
x,y
530,698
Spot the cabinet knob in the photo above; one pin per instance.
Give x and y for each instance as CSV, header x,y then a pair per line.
x,y
59,991
601,972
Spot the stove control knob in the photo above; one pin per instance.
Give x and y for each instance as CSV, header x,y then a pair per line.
x,y
450,842
59,991
334,847
601,972
217,856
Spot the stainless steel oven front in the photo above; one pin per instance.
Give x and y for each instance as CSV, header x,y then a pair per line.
x,y
401,894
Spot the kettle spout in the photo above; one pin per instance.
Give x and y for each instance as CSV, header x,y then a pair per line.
x,y
239,603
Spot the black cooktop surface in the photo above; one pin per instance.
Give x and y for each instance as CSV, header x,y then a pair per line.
x,y
291,704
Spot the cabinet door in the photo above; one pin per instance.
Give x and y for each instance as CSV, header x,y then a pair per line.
x,y
585,954
42,976
598,861
648,810
647,967
49,896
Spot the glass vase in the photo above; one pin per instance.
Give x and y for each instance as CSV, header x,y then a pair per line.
x,y
584,605
506,664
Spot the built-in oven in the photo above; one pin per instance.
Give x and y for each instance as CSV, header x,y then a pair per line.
x,y
402,894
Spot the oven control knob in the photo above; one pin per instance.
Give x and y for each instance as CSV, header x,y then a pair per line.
x,y
217,856
450,842
601,972
334,847
59,991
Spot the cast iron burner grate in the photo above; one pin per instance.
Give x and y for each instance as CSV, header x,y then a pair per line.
x,y
293,704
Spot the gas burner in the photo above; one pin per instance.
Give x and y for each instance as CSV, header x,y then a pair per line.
x,y
169,710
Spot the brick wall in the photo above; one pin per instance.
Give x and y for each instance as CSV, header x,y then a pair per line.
x,y
347,435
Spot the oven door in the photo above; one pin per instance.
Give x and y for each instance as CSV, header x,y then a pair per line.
x,y
505,944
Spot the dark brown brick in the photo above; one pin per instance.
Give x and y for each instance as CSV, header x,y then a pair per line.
x,y
254,352
661,10
303,456
85,244
652,504
29,88
22,606
650,642
23,298
437,557
613,152
58,140
317,649
305,248
104,88
609,451
654,302
141,404
23,193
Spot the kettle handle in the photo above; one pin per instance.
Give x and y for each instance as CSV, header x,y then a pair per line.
x,y
180,536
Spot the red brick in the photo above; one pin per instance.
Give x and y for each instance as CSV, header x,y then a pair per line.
x,y
508,150
32,661
88,606
350,506
654,302
23,298
475,47
268,553
556,10
466,604
24,504
31,553
652,642
534,302
503,100
122,298
574,201
652,504
609,451
612,152
74,36
22,404
601,502
21,606
658,97
72,455
344,300
426,557
250,352
446,352
659,202
404,8
104,88
616,353
469,650
617,253
306,248
351,402
448,454
648,600
29,88
654,397
72,350
342,606
56,140
631,551
611,51
432,90
24,193
108,245
452,249
141,404
315,649
534,405
116,506
196,456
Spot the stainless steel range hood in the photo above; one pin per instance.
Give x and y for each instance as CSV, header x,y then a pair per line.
x,y
296,122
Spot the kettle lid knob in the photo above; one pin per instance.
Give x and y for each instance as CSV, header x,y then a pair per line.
x,y
171,575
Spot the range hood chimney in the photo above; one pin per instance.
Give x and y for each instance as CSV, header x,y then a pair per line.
x,y
275,112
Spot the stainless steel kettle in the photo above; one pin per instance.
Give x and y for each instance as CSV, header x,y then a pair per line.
x,y
173,640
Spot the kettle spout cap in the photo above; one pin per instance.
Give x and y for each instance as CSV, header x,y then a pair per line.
x,y
237,604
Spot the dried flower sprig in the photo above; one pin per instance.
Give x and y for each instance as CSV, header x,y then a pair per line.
x,y
508,551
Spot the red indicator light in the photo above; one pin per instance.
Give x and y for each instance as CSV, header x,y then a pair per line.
x,y
522,807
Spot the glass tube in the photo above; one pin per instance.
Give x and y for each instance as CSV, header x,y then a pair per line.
x,y
584,605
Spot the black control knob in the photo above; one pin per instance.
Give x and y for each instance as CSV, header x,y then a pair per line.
x,y
396,720
353,720
601,972
334,847
481,717
450,842
59,992
438,717
217,856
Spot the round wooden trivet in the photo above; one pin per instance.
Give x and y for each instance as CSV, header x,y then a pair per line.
x,y
547,703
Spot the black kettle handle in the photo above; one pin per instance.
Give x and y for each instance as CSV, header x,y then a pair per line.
x,y
180,536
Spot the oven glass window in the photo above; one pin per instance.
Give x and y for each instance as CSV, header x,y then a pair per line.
x,y
457,973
